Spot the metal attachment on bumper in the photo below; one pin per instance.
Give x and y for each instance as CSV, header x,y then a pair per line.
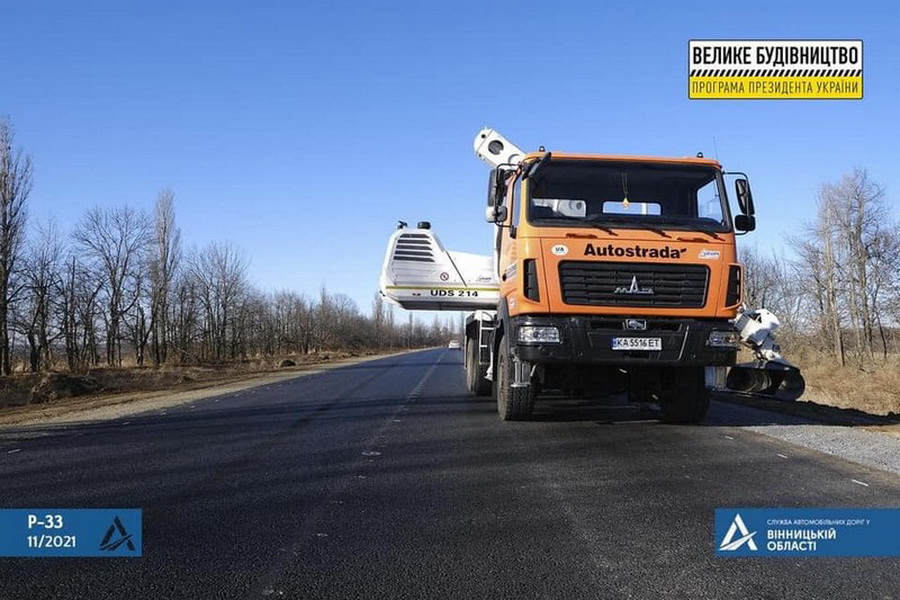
x,y
522,372
777,379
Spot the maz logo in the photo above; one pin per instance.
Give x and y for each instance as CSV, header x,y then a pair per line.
x,y
634,289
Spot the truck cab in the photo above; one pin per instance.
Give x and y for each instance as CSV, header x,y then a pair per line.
x,y
615,272
609,273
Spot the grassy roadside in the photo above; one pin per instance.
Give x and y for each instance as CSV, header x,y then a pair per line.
x,y
874,389
866,397
118,391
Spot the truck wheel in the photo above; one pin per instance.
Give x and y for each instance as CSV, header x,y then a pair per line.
x,y
513,403
476,373
687,398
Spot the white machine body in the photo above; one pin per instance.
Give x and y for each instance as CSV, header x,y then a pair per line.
x,y
757,328
420,274
496,150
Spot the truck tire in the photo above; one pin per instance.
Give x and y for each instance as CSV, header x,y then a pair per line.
x,y
476,373
687,398
513,403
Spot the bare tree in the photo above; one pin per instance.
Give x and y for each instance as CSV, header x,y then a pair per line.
x,y
137,317
391,324
760,277
15,186
42,277
219,274
884,281
290,329
378,315
166,256
859,215
185,318
115,238
80,313
819,261
323,322
848,261
347,330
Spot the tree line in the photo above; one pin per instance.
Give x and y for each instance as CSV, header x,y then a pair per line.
x,y
839,294
120,288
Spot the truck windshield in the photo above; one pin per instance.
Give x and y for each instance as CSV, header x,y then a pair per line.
x,y
625,194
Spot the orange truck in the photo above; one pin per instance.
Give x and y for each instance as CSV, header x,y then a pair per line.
x,y
609,273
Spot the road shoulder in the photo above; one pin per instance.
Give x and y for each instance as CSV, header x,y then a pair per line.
x,y
114,406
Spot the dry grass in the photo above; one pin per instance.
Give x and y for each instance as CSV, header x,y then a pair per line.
x,y
874,388
24,389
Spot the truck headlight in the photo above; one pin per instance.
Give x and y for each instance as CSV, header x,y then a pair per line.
x,y
724,339
537,334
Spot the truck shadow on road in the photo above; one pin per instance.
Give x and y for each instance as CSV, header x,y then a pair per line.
x,y
604,410
731,410
739,409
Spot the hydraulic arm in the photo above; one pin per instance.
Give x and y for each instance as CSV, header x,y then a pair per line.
x,y
770,374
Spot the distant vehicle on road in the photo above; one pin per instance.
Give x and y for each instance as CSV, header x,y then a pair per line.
x,y
454,345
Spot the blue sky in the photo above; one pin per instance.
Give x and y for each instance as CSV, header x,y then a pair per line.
x,y
302,131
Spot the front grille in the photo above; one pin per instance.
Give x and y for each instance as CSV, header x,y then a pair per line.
x,y
627,284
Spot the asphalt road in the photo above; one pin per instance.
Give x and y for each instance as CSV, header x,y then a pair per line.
x,y
383,480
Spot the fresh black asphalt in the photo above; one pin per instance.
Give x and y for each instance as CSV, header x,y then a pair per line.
x,y
384,480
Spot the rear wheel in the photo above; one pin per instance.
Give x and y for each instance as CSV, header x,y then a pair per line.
x,y
513,403
686,399
476,372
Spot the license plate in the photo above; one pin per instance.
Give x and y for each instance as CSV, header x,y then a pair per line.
x,y
636,343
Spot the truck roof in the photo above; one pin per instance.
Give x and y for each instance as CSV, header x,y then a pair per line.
x,y
685,160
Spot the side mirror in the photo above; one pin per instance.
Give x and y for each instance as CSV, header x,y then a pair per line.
x,y
744,196
496,214
496,187
744,223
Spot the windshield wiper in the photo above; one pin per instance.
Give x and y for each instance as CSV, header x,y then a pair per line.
x,y
702,229
590,222
630,224
654,230
603,228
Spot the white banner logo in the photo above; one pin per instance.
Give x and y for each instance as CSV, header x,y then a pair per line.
x,y
729,543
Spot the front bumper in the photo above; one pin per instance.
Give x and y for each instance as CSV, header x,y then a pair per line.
x,y
588,340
